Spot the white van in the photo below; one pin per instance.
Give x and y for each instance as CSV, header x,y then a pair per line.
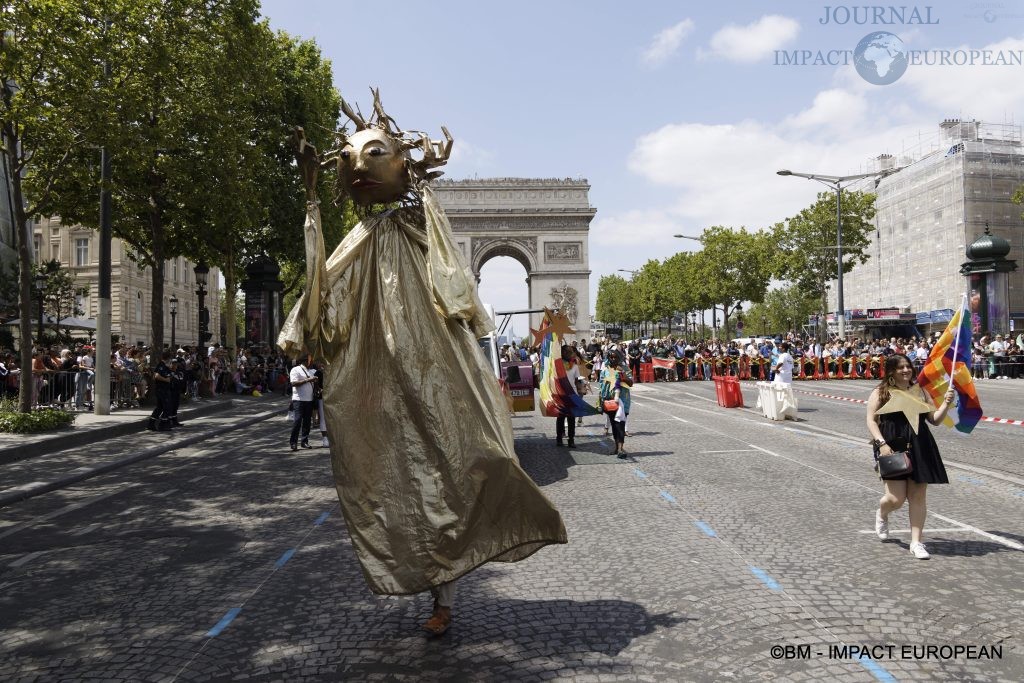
x,y
742,342
489,344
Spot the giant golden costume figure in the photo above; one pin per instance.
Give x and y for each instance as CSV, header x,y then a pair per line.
x,y
421,440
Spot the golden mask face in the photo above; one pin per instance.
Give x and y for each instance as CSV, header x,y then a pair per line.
x,y
371,168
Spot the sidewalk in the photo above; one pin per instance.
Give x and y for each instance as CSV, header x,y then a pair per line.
x,y
89,428
34,464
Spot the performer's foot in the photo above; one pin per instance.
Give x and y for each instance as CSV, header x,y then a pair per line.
x,y
558,442
305,444
295,446
572,444
439,622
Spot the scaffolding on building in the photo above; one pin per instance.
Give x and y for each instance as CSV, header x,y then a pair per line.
x,y
951,185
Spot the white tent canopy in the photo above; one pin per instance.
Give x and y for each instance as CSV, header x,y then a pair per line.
x,y
66,323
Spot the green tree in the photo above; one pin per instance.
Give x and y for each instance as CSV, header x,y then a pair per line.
x,y
612,299
734,266
678,281
46,68
176,123
780,308
651,299
307,98
281,83
806,253
60,296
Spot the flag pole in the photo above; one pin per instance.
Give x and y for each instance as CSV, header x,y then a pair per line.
x,y
956,345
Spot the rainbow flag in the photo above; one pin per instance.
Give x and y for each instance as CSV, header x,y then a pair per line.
x,y
941,366
557,395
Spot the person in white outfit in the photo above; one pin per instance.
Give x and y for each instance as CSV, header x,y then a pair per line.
x,y
784,366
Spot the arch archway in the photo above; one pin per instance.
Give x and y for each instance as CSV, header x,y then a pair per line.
x,y
541,223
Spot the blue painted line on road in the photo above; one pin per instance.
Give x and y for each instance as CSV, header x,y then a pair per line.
x,y
876,670
321,519
970,480
284,558
223,623
706,529
668,496
765,578
640,473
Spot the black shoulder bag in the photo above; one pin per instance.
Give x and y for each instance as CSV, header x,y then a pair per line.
x,y
896,464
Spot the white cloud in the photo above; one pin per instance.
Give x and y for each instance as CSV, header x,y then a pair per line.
x,y
469,160
987,92
666,43
753,42
834,109
725,174
652,227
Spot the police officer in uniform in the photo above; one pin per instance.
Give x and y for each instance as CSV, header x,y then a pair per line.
x,y
177,386
159,420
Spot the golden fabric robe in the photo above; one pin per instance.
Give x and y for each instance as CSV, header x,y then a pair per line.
x,y
421,440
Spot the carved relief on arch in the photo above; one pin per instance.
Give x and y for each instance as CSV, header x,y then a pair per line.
x,y
522,249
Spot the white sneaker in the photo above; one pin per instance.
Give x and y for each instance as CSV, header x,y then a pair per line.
x,y
881,526
324,443
919,551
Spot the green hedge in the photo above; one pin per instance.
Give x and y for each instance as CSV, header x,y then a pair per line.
x,y
41,420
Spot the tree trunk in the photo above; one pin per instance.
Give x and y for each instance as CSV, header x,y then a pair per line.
x,y
156,305
158,254
22,239
230,294
823,323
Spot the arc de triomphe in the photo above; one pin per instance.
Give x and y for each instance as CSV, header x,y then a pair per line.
x,y
542,223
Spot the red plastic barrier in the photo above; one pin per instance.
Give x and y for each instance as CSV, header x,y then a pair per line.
x,y
646,372
728,392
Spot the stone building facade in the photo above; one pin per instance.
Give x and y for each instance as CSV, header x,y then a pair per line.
x,y
77,248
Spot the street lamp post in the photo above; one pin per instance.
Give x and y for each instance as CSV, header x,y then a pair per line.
x,y
202,272
173,301
40,287
837,183
764,325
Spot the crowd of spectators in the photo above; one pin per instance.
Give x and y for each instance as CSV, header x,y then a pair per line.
x,y
993,356
65,377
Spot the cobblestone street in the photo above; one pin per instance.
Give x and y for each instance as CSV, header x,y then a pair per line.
x,y
726,547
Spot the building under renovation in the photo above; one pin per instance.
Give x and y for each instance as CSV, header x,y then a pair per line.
x,y
949,188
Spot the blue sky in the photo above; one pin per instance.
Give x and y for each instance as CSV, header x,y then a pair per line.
x,y
675,112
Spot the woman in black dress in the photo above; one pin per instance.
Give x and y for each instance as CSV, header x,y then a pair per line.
x,y
897,415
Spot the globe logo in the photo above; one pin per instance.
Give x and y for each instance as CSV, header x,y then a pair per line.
x,y
880,58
